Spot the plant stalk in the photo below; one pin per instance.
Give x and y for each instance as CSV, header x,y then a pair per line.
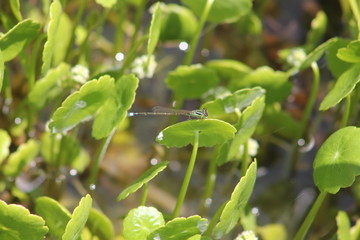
x,y
345,119
187,177
356,12
144,195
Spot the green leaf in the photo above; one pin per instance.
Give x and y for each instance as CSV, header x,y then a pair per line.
x,y
355,231
143,179
48,87
100,225
62,39
5,141
335,65
16,223
222,11
83,104
351,53
180,228
15,7
54,214
2,69
317,53
343,224
154,31
14,41
179,23
114,110
106,3
231,214
18,160
278,231
55,15
191,81
318,28
78,219
211,132
343,87
275,83
236,101
228,68
140,222
337,162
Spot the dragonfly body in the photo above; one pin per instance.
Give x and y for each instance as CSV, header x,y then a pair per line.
x,y
159,111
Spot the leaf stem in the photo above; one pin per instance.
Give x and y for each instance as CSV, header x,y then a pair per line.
x,y
245,159
144,195
345,119
194,41
310,217
187,177
355,9
99,156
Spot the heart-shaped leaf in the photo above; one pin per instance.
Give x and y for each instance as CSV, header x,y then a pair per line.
x,y
231,214
191,81
141,221
337,162
211,132
222,11
100,225
180,228
5,141
143,179
351,53
343,87
16,223
54,214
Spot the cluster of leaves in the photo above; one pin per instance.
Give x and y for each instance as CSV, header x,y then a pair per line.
x,y
239,100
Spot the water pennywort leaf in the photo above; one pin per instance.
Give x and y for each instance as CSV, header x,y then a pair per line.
x,y
143,179
16,223
100,225
54,214
337,162
180,228
228,68
141,221
78,219
343,87
211,132
351,53
231,214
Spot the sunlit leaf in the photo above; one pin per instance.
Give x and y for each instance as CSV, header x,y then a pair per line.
x,y
228,68
78,219
355,230
106,3
55,15
154,31
83,104
343,224
5,141
236,101
335,65
15,7
114,110
48,87
143,179
2,69
191,81
337,162
351,53
343,87
14,41
231,214
277,231
62,39
16,223
222,10
180,228
54,214
18,160
100,225
179,23
275,83
211,132
140,222
247,235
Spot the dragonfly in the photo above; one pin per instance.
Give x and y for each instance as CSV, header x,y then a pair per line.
x,y
159,111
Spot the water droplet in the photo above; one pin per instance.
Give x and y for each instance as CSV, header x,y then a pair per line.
x,y
183,46
73,172
119,56
301,142
17,120
205,52
175,166
92,187
80,104
154,161
255,211
208,202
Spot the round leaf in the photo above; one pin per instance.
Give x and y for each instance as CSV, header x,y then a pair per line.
x,y
191,81
16,223
145,178
222,10
211,132
141,221
100,225
180,228
337,162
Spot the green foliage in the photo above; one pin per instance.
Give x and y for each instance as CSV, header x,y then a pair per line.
x,y
62,39
100,225
211,132
2,69
106,3
16,223
336,65
140,222
222,11
14,41
5,141
228,68
343,223
143,179
351,53
337,162
15,7
239,198
154,32
180,228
